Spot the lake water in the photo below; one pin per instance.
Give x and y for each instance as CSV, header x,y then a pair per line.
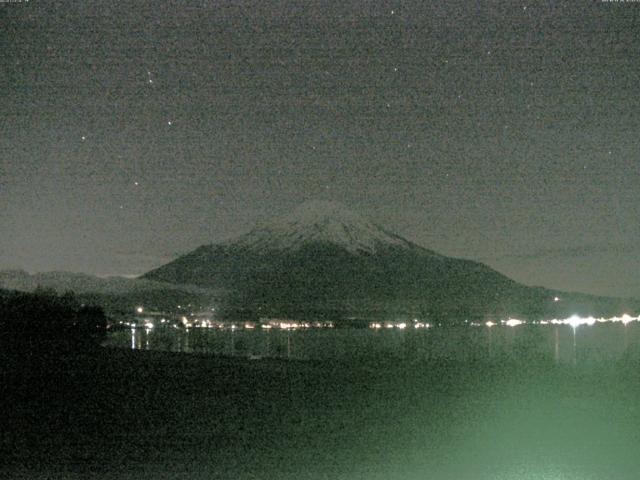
x,y
563,344
528,402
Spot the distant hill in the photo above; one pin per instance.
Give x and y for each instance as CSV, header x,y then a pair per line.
x,y
324,260
113,293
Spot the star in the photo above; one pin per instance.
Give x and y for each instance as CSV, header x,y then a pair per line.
x,y
136,183
169,123
84,138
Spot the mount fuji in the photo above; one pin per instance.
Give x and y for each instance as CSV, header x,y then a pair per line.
x,y
323,259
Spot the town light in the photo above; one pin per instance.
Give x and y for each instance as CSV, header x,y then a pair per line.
x,y
626,318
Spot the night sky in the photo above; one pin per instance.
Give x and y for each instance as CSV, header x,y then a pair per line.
x,y
506,132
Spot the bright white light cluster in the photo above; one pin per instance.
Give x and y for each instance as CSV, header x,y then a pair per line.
x,y
399,325
267,324
573,321
513,322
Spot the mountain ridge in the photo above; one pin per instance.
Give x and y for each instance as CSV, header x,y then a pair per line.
x,y
323,259
79,282
114,294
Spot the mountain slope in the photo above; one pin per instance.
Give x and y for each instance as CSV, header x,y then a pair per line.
x,y
322,259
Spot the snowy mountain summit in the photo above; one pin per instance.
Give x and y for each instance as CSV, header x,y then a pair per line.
x,y
321,222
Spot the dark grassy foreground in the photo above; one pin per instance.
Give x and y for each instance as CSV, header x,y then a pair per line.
x,y
132,415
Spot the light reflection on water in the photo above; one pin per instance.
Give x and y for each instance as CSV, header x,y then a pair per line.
x,y
560,343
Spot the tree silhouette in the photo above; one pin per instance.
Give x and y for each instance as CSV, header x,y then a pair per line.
x,y
42,323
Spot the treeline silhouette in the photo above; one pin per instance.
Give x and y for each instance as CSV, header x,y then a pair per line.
x,y
43,323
